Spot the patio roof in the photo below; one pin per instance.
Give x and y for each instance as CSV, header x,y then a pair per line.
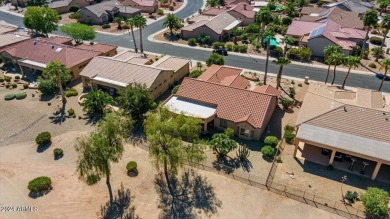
x,y
345,141
30,62
190,108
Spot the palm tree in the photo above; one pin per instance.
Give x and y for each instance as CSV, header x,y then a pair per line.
x,y
59,70
131,23
385,64
336,59
281,61
140,22
118,20
95,103
328,51
383,4
171,22
370,19
268,34
287,41
385,30
351,62
263,17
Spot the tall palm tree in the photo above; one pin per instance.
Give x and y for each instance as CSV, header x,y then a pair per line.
x,y
140,22
59,70
171,22
336,59
287,41
269,34
281,61
370,19
385,30
351,62
328,51
263,17
383,4
131,23
385,64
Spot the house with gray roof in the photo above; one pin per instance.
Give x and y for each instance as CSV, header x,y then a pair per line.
x,y
105,12
357,6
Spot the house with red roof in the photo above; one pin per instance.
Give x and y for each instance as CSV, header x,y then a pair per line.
x,y
225,75
242,11
147,6
222,106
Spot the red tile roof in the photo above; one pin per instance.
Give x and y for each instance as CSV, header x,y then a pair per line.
x,y
245,9
214,11
234,104
98,47
300,28
225,76
268,89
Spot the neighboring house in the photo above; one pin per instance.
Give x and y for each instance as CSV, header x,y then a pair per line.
x,y
350,125
268,89
115,73
317,35
148,6
242,11
34,54
62,6
9,39
218,28
105,12
6,27
224,75
357,6
221,106
341,17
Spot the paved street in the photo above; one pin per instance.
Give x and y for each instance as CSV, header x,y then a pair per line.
x,y
293,70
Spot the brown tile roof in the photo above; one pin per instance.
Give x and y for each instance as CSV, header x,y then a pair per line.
x,y
12,38
126,55
341,17
98,47
171,63
214,11
61,40
146,3
224,75
244,9
268,89
234,104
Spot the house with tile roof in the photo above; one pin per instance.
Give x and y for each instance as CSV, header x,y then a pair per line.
x,y
221,106
357,6
34,54
318,35
148,6
243,11
224,75
11,34
105,12
62,6
350,126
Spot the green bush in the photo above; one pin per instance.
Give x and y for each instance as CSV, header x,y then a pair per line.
x,y
75,16
7,78
286,102
376,202
292,92
374,32
243,49
71,112
14,85
175,89
268,151
195,74
320,3
286,21
132,165
244,37
92,179
39,185
7,85
17,77
351,196
9,96
216,59
236,48
277,51
74,8
289,128
58,152
20,96
47,87
376,40
217,45
125,26
106,26
192,41
71,92
25,85
229,47
289,136
271,141
1,80
160,11
43,138
372,65
279,159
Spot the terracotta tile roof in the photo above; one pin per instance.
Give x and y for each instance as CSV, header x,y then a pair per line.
x,y
44,51
61,40
146,3
171,63
98,47
214,11
341,17
225,76
268,89
234,104
245,9
300,28
126,55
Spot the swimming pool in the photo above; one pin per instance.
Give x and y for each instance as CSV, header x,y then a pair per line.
x,y
273,41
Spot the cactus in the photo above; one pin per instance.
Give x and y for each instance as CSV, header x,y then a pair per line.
x,y
243,152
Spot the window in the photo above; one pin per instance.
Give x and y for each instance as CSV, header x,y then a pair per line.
x,y
223,123
245,132
252,133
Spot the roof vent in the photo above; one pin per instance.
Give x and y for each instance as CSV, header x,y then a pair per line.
x,y
345,109
52,46
35,42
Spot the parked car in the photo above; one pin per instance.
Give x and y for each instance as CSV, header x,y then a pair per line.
x,y
221,51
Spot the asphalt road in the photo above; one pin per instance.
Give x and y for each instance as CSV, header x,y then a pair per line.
x,y
293,70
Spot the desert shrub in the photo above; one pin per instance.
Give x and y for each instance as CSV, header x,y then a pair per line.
x,y
277,51
7,78
75,16
244,37
9,96
229,47
236,48
14,84
43,138
268,151
286,102
372,65
1,80
39,185
217,45
286,21
74,8
289,128
17,77
376,40
375,201
160,11
374,32
351,196
292,82
292,92
366,52
192,41
47,87
242,49
20,96
175,89
125,26
320,3
195,74
92,179
58,152
106,26
216,59
243,152
289,136
271,141
7,85
71,92
171,7
71,112
279,159
25,85
293,53
132,165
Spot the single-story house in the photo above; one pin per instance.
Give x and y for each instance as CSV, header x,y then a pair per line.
x,y
225,75
105,12
34,54
148,6
218,28
12,38
6,27
348,129
115,73
220,106
343,18
62,6
132,57
357,6
318,35
268,89
244,12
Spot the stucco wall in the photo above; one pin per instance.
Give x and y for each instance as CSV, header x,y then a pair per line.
x,y
199,31
182,72
89,18
236,127
317,46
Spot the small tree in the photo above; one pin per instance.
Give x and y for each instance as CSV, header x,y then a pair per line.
x,y
376,202
43,138
79,32
223,143
42,20
172,22
74,8
215,59
268,151
96,102
199,65
118,20
57,71
271,141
